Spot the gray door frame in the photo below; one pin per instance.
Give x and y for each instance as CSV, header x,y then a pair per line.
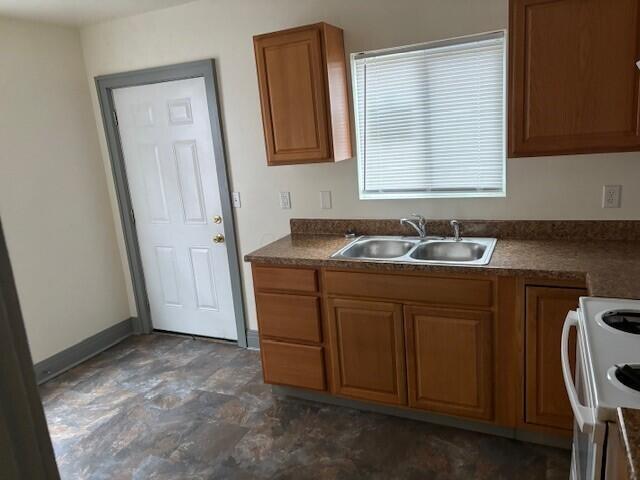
x,y
105,85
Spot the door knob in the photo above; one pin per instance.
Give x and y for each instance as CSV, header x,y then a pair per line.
x,y
218,238
217,219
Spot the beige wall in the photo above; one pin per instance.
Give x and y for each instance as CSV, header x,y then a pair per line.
x,y
54,204
566,187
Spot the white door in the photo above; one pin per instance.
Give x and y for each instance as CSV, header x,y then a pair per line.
x,y
169,158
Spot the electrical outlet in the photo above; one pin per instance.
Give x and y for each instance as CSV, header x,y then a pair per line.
x,y
325,200
611,195
235,199
285,200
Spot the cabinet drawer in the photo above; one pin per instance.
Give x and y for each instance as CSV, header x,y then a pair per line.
x,y
287,279
477,292
293,317
295,365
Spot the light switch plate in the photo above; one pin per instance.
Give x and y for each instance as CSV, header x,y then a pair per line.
x,y
285,200
611,196
325,200
235,199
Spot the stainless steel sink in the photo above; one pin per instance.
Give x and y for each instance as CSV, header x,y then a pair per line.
x,y
462,251
430,250
378,248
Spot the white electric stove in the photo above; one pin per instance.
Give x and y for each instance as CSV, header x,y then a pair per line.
x,y
607,375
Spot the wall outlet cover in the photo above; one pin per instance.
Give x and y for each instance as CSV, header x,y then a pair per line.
x,y
611,196
325,200
285,200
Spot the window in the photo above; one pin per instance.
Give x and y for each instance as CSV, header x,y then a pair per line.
x,y
430,119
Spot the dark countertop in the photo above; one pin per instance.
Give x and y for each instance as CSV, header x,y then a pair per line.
x,y
610,268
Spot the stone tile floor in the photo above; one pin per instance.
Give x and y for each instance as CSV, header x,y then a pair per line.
x,y
170,407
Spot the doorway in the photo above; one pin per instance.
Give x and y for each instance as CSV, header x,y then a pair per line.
x,y
165,142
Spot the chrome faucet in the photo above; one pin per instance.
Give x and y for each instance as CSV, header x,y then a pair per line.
x,y
455,224
420,226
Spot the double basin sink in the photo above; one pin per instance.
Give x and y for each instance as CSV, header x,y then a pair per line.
x,y
430,250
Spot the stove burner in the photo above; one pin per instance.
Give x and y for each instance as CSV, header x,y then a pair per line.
x,y
624,320
629,376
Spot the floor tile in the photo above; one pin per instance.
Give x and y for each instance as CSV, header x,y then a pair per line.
x,y
172,407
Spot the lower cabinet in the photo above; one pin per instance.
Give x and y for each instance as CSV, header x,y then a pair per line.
x,y
449,361
546,402
367,350
290,324
388,338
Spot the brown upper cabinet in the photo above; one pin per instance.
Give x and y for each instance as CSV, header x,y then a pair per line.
x,y
573,78
302,76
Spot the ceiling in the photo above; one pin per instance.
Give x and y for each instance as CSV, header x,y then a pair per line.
x,y
79,12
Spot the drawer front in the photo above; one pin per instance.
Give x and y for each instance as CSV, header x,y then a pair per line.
x,y
293,317
438,290
294,365
286,279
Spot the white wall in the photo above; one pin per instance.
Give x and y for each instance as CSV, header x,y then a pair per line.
x,y
567,187
54,204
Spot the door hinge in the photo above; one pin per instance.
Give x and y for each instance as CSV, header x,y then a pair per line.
x,y
133,216
115,117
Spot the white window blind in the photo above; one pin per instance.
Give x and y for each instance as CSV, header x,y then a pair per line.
x,y
430,119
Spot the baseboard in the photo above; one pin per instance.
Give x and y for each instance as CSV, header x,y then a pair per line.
x,y
87,348
544,439
253,339
422,416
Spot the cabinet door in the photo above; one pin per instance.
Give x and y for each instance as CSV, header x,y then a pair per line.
x,y
450,361
367,350
574,82
546,402
292,93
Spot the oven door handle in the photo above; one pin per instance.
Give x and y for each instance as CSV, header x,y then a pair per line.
x,y
584,415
